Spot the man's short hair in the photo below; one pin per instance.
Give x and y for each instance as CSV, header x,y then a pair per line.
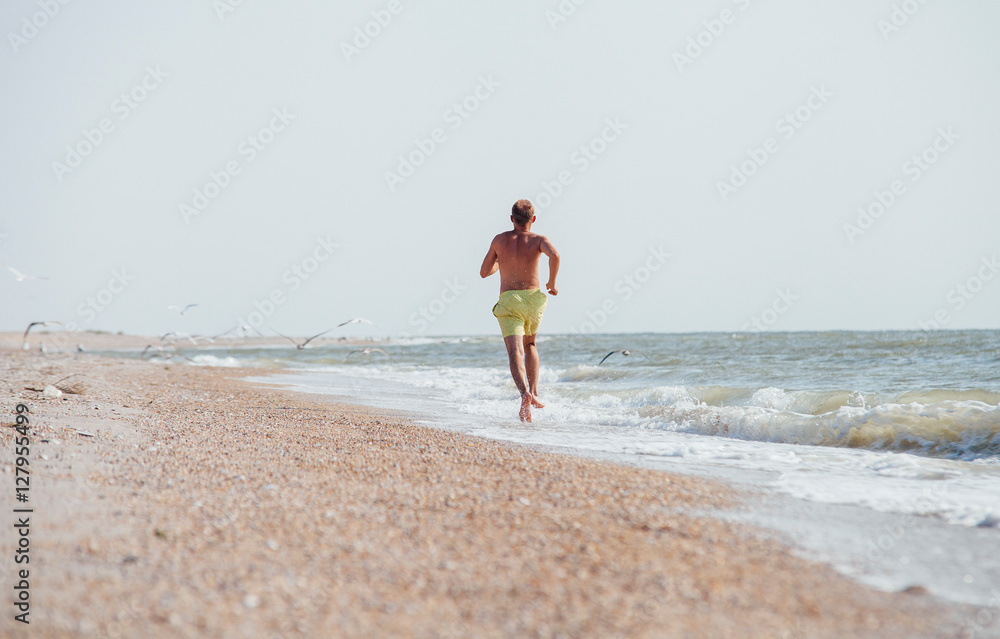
x,y
523,211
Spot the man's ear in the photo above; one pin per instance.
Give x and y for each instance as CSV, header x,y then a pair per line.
x,y
533,218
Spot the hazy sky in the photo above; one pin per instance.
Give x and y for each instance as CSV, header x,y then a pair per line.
x,y
714,159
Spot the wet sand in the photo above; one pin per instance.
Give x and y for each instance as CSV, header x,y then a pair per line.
x,y
180,501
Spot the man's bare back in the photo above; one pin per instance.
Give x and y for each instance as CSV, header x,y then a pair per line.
x,y
516,255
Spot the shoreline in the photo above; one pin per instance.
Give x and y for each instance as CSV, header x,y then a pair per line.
x,y
395,528
888,551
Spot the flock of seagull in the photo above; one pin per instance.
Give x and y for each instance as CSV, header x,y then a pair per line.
x,y
169,351
164,347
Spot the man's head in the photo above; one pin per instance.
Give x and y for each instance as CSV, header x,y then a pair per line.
x,y
523,213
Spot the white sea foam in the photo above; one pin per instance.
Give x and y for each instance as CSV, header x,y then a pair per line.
x,y
901,423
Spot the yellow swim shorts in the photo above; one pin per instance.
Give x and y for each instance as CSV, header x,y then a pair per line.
x,y
520,312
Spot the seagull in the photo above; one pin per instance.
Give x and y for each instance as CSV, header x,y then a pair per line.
x,y
20,277
24,342
170,356
303,345
625,354
181,310
191,338
156,347
356,320
165,353
242,330
368,351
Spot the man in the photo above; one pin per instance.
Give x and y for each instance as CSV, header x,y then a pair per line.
x,y
516,254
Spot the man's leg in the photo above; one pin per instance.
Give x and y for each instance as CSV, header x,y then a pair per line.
x,y
515,353
531,369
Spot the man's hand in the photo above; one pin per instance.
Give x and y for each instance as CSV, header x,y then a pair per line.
x,y
553,255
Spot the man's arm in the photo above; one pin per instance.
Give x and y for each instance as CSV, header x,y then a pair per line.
x,y
553,256
491,264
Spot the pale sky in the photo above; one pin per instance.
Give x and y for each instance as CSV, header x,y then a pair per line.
x,y
300,132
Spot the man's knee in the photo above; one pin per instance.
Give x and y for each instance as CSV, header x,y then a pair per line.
x,y
514,345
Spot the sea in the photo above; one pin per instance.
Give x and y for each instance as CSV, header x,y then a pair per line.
x,y
878,452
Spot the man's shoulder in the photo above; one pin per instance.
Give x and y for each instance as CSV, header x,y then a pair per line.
x,y
535,239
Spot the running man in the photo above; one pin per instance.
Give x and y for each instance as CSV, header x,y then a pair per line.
x,y
516,254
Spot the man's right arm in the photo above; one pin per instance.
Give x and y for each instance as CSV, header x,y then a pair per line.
x,y
491,263
553,255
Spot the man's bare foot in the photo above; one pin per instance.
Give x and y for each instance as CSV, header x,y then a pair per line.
x,y
525,412
535,402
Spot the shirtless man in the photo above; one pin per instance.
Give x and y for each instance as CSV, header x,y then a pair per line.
x,y
516,254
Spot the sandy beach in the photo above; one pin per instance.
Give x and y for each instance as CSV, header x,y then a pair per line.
x,y
173,500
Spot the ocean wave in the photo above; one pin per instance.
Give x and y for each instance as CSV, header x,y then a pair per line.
x,y
933,396
953,424
203,359
588,373
965,430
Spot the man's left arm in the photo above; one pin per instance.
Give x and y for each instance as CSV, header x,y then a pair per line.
x,y
549,250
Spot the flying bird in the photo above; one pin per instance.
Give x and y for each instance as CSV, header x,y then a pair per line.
x,y
356,320
169,356
191,338
155,347
303,345
181,310
242,330
20,277
625,354
24,340
163,353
